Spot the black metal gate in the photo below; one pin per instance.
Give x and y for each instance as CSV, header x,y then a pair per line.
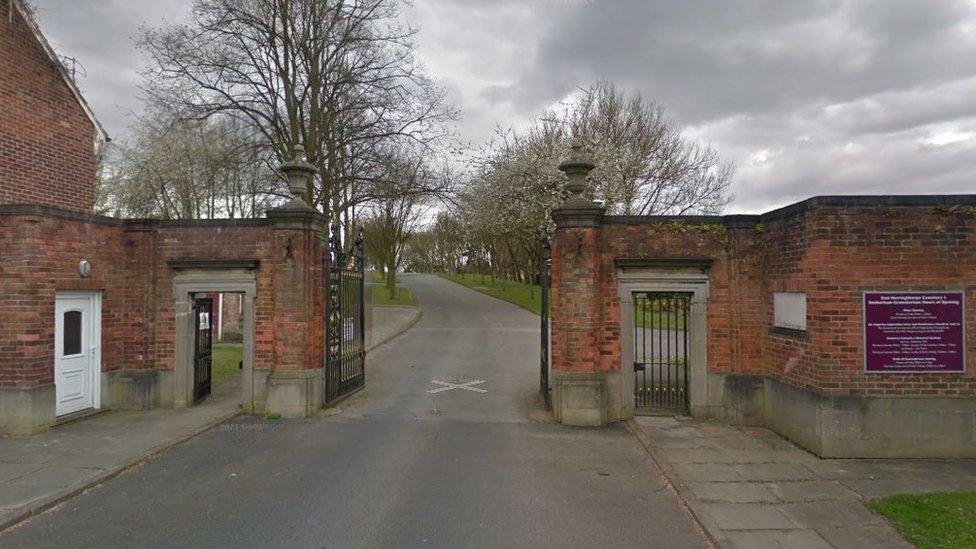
x,y
345,352
202,346
545,268
661,323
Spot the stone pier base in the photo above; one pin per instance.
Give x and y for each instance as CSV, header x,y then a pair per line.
x,y
295,394
586,398
26,411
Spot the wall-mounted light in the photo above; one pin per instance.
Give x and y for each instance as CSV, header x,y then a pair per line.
x,y
84,268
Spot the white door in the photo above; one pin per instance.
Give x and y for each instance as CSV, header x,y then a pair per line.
x,y
76,352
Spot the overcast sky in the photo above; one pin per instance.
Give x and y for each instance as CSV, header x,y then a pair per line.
x,y
807,97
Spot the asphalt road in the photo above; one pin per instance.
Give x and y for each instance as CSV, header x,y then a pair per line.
x,y
399,466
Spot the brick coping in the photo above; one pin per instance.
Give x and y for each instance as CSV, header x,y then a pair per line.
x,y
10,210
749,220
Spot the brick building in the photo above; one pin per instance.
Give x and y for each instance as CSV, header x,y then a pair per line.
x,y
98,312
778,322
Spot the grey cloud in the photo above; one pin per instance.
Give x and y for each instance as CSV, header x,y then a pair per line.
x,y
805,96
99,34
705,61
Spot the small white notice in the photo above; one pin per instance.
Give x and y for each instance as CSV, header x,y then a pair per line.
x,y
465,385
348,329
790,310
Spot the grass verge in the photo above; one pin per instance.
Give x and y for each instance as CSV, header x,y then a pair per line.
x,y
404,297
225,361
527,296
944,520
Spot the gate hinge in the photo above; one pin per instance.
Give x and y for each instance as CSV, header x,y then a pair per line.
x,y
639,367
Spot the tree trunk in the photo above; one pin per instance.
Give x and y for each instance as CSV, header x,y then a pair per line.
x,y
391,280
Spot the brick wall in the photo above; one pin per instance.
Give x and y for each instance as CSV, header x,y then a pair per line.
x,y
40,256
46,139
831,248
836,252
208,241
41,248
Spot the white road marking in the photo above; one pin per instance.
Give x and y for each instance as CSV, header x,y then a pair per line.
x,y
447,386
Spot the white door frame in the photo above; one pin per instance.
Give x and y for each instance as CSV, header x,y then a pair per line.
x,y
94,346
665,280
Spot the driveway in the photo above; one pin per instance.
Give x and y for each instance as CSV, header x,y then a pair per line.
x,y
446,447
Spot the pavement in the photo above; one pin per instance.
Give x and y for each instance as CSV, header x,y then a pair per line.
x,y
445,447
751,488
39,472
390,321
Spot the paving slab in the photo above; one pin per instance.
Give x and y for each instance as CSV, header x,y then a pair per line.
x,y
704,472
750,487
10,471
811,490
845,469
732,492
774,471
45,483
777,539
885,486
686,442
864,537
829,514
747,516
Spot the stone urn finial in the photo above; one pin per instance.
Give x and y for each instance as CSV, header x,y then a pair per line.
x,y
298,172
576,168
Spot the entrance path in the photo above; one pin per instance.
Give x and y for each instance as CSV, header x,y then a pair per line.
x,y
751,488
438,451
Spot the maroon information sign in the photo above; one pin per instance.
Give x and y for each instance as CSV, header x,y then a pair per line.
x,y
914,332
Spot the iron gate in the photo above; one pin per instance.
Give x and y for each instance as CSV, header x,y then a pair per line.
x,y
661,321
345,352
202,346
544,364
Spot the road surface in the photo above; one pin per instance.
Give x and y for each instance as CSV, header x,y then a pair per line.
x,y
444,448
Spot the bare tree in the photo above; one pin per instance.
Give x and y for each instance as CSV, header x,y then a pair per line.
x,y
183,169
644,164
338,77
394,217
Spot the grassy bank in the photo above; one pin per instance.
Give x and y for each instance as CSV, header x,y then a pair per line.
x,y
527,296
381,295
404,297
225,361
943,520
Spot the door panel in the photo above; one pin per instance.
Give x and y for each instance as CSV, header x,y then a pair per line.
x,y
203,346
75,353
